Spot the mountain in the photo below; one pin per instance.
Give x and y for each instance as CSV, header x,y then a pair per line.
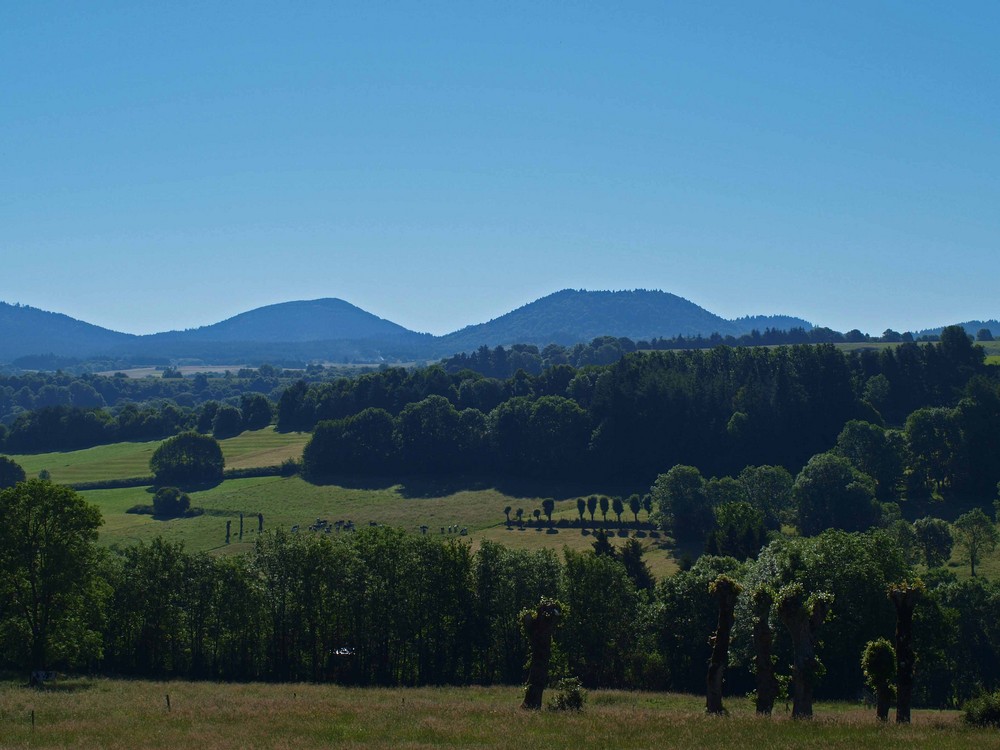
x,y
27,330
335,330
315,320
572,316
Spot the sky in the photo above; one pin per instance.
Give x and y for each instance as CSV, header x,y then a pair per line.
x,y
166,165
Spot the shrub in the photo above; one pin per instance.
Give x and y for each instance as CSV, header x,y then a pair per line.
x,y
983,710
10,472
570,696
170,502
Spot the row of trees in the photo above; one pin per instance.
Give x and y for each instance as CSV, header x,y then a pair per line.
x,y
386,608
70,428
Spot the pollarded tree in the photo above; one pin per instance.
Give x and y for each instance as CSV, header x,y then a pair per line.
x,y
592,506
635,505
538,625
548,505
188,458
976,532
878,662
10,472
581,508
802,617
904,597
725,590
618,507
605,505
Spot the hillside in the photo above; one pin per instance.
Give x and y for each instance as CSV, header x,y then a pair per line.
x,y
334,330
327,319
27,330
571,316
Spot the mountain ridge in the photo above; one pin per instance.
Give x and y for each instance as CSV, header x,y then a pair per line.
x,y
331,328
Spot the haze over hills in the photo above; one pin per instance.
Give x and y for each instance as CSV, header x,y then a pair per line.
x,y
335,330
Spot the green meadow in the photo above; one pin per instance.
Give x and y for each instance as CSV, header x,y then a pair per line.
x,y
112,714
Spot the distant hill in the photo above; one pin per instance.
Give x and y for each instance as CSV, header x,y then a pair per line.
x,y
27,330
335,330
313,320
572,316
972,327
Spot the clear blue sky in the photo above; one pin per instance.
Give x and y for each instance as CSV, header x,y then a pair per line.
x,y
170,164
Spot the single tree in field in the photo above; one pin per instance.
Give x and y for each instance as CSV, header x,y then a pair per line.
x,y
537,514
767,684
934,540
904,597
878,663
802,617
635,505
618,507
647,505
10,472
506,512
581,508
605,505
520,517
592,506
548,505
725,590
187,458
976,533
538,625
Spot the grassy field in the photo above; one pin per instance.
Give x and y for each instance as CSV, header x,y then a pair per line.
x,y
112,714
290,501
122,460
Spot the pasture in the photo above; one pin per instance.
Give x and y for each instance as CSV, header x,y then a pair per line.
x,y
111,714
123,460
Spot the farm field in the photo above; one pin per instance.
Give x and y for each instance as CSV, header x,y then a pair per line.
x,y
291,501
112,714
122,460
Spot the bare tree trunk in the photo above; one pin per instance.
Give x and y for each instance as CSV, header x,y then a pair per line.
x,y
883,697
538,627
725,590
767,683
904,599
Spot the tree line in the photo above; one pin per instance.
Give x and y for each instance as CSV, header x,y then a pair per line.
x,y
382,607
917,419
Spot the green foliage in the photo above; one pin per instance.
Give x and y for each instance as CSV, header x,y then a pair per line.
x,y
170,502
934,540
830,493
227,423
49,585
976,533
739,531
983,710
878,663
188,458
10,472
679,495
570,695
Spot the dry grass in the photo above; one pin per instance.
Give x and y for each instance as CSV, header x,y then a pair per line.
x,y
118,714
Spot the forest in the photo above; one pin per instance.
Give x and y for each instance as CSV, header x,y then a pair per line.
x,y
797,465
